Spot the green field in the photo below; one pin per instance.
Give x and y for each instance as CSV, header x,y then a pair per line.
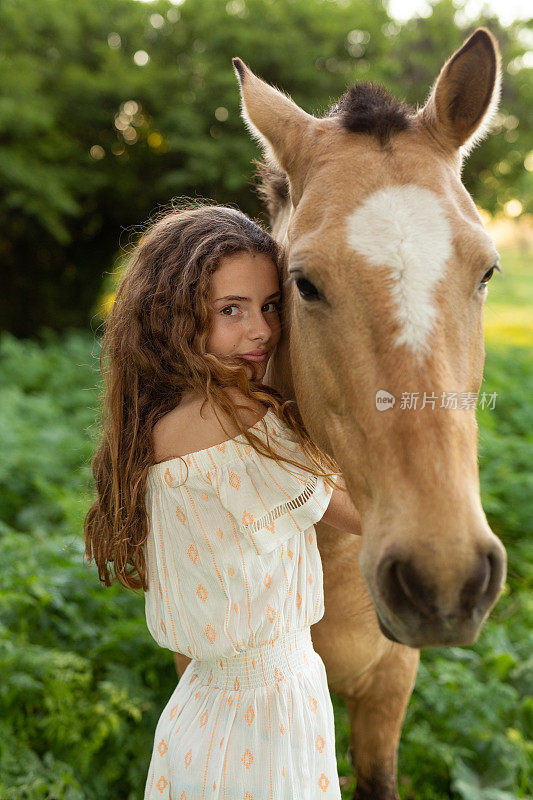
x,y
509,306
86,683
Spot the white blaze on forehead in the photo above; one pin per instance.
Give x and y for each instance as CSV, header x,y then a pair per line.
x,y
404,230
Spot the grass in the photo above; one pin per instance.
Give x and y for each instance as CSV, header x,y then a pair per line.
x,y
509,305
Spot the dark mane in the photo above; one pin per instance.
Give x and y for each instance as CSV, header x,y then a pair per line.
x,y
272,186
369,108
363,108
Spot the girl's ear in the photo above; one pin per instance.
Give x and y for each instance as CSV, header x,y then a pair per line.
x,y
466,94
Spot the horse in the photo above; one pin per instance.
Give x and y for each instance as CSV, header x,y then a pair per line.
x,y
386,269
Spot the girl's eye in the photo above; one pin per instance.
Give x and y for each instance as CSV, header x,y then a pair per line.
x,y
222,310
273,303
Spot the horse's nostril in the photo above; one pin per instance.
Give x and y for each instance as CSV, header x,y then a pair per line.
x,y
404,589
414,589
482,587
475,586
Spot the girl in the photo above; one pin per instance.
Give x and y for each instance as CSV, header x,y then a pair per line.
x,y
212,512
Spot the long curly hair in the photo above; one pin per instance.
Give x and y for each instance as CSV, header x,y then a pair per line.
x,y
154,342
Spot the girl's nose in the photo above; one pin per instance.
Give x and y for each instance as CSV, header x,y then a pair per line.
x,y
258,326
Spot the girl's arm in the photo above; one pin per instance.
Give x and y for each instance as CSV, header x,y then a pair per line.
x,y
341,512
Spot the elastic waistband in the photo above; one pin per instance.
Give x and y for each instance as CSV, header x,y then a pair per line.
x,y
265,665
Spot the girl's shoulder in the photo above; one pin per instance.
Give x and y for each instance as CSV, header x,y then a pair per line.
x,y
189,429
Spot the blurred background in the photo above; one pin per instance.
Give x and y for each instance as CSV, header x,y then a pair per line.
x,y
108,110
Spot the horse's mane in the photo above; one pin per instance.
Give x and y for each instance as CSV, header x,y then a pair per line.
x,y
363,108
369,108
272,186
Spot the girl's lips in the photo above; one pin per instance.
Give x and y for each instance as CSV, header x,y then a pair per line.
x,y
262,357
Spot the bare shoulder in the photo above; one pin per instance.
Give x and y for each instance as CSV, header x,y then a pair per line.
x,y
189,427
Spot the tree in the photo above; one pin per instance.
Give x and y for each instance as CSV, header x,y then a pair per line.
x,y
109,110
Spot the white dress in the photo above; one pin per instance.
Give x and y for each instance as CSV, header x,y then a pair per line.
x,y
235,582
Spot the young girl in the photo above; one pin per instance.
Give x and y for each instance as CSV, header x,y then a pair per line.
x,y
211,511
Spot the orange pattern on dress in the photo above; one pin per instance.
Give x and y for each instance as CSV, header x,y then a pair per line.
x,y
247,758
323,782
235,480
169,480
210,633
247,518
202,592
180,515
319,744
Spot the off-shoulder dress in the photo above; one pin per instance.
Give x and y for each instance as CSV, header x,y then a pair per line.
x,y
235,583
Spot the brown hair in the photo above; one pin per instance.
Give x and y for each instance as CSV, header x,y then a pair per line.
x,y
154,338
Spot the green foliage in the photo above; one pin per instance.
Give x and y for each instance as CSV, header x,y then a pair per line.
x,y
91,143
49,396
85,681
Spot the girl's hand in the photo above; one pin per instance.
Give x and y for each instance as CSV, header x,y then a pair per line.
x,y
341,512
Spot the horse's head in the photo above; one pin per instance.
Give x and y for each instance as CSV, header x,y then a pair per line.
x,y
388,262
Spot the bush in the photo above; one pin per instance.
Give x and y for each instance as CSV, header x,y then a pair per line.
x,y
86,683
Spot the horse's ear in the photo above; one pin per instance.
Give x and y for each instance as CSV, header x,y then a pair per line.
x,y
280,126
466,94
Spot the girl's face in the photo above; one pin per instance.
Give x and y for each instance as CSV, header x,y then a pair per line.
x,y
244,299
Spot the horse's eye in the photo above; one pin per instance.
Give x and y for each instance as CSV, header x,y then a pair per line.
x,y
488,275
307,290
